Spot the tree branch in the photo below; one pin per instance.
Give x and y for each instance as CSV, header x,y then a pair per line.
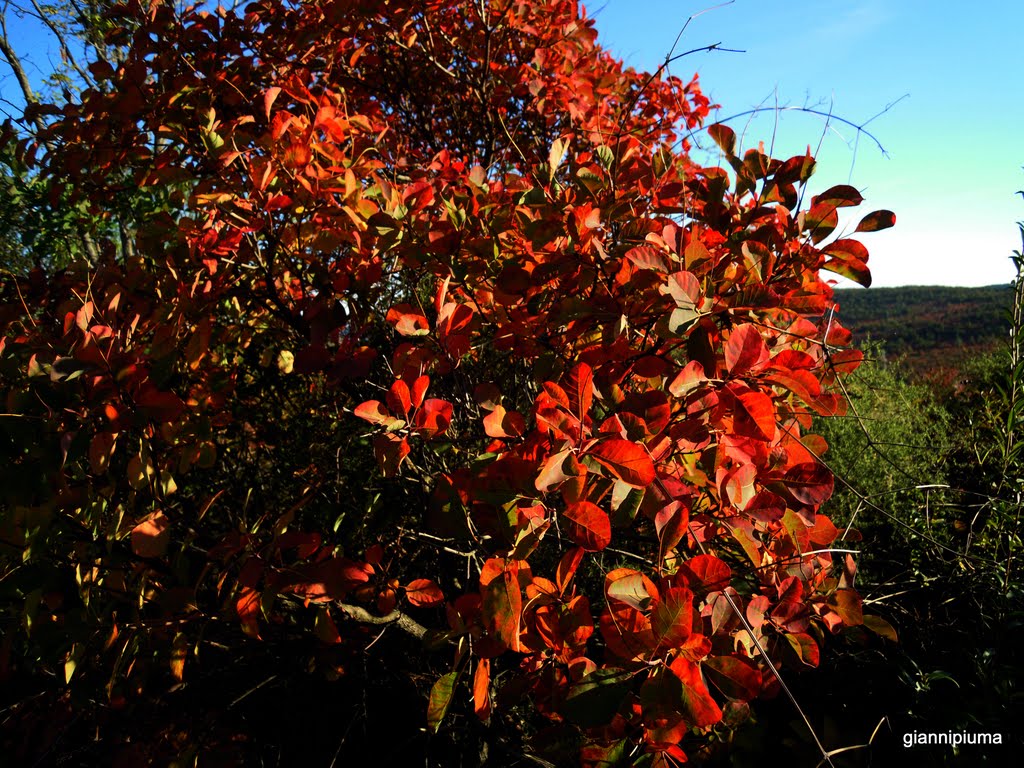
x,y
396,617
62,41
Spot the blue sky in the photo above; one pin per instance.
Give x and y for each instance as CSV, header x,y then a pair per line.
x,y
955,144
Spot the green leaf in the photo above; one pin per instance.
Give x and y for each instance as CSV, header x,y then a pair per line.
x,y
440,699
503,608
596,699
880,627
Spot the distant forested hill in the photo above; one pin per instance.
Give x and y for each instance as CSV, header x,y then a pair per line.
x,y
930,329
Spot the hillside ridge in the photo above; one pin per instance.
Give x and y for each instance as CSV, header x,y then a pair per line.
x,y
931,331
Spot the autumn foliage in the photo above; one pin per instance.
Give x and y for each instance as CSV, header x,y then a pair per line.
x,y
422,318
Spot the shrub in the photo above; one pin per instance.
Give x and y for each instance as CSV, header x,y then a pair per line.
x,y
437,397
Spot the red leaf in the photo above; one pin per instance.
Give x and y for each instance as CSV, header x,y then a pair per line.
x,y
555,471
765,507
697,706
627,632
724,136
670,523
433,417
821,221
847,360
627,461
579,388
791,616
588,525
745,351
846,248
736,677
398,398
646,257
630,587
567,568
423,593
824,532
556,393
672,618
737,484
755,416
329,579
688,379
159,406
809,484
454,324
840,196
877,220
419,390
851,268
705,573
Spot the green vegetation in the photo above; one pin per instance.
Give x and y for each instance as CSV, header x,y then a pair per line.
x,y
931,477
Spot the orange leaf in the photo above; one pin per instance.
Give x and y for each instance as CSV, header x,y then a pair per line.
x,y
151,537
269,98
588,525
626,460
755,416
579,387
375,412
423,593
481,685
248,609
500,423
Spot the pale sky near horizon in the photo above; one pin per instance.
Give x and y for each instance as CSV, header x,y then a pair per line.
x,y
955,143
954,139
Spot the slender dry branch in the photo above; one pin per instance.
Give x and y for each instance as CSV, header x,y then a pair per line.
x,y
62,41
396,617
14,62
